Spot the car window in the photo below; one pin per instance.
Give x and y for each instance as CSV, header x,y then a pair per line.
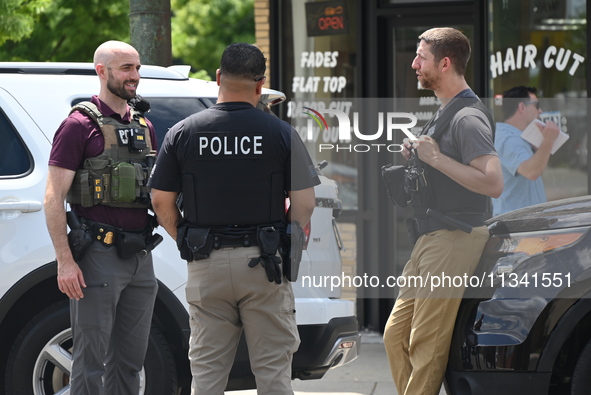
x,y
167,111
15,159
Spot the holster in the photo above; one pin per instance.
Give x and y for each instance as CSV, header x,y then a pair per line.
x,y
394,179
268,240
129,244
436,221
292,243
413,231
79,241
79,237
194,243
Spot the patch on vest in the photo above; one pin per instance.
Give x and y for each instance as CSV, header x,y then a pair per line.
x,y
229,145
133,138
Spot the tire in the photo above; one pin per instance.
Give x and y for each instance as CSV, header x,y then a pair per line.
x,y
159,366
581,381
43,350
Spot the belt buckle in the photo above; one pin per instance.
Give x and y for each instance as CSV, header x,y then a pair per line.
x,y
221,241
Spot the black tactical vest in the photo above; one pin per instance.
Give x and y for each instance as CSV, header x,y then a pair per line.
x,y
441,193
118,176
233,179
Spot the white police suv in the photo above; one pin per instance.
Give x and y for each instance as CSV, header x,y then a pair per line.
x,y
35,335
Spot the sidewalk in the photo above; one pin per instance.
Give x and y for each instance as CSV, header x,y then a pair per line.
x,y
369,374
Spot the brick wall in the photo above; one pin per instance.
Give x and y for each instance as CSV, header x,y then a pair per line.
x,y
261,22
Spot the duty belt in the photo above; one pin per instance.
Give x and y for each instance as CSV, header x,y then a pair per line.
x,y
107,234
452,221
221,240
127,242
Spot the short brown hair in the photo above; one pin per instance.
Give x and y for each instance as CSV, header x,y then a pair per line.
x,y
451,43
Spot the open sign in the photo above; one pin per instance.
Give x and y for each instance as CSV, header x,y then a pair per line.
x,y
326,18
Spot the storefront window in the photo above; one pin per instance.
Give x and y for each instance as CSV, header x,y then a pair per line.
x,y
318,63
542,44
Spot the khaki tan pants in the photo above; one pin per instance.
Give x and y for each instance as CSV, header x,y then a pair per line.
x,y
225,296
418,333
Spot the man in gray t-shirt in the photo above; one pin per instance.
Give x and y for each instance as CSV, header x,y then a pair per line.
x,y
468,133
458,171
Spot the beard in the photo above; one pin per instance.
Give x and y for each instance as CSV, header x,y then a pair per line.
x,y
119,89
429,81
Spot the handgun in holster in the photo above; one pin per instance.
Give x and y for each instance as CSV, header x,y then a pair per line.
x,y
152,242
292,244
79,237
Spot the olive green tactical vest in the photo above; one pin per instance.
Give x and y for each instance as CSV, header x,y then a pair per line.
x,y
118,176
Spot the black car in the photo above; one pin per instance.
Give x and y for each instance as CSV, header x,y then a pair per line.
x,y
524,326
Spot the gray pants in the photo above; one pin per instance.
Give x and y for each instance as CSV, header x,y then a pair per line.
x,y
111,324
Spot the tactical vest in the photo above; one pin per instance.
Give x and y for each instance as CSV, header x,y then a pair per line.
x,y
118,176
233,179
440,192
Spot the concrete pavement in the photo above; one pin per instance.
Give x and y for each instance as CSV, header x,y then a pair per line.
x,y
369,374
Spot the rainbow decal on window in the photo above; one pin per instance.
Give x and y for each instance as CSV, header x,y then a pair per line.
x,y
315,115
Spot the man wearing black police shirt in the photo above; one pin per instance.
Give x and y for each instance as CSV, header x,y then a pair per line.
x,y
235,165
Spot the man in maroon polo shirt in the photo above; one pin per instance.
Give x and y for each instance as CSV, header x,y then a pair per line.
x,y
112,287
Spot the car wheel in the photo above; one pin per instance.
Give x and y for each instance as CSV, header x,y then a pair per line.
x,y
40,361
159,366
581,381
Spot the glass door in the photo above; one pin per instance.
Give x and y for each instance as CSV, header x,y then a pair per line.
x,y
400,83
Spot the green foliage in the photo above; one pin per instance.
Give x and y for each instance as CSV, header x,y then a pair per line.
x,y
201,74
68,30
202,29
18,17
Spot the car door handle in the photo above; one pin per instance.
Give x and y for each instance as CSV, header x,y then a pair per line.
x,y
338,236
23,207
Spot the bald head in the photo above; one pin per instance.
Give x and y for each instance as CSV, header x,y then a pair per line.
x,y
117,65
110,50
